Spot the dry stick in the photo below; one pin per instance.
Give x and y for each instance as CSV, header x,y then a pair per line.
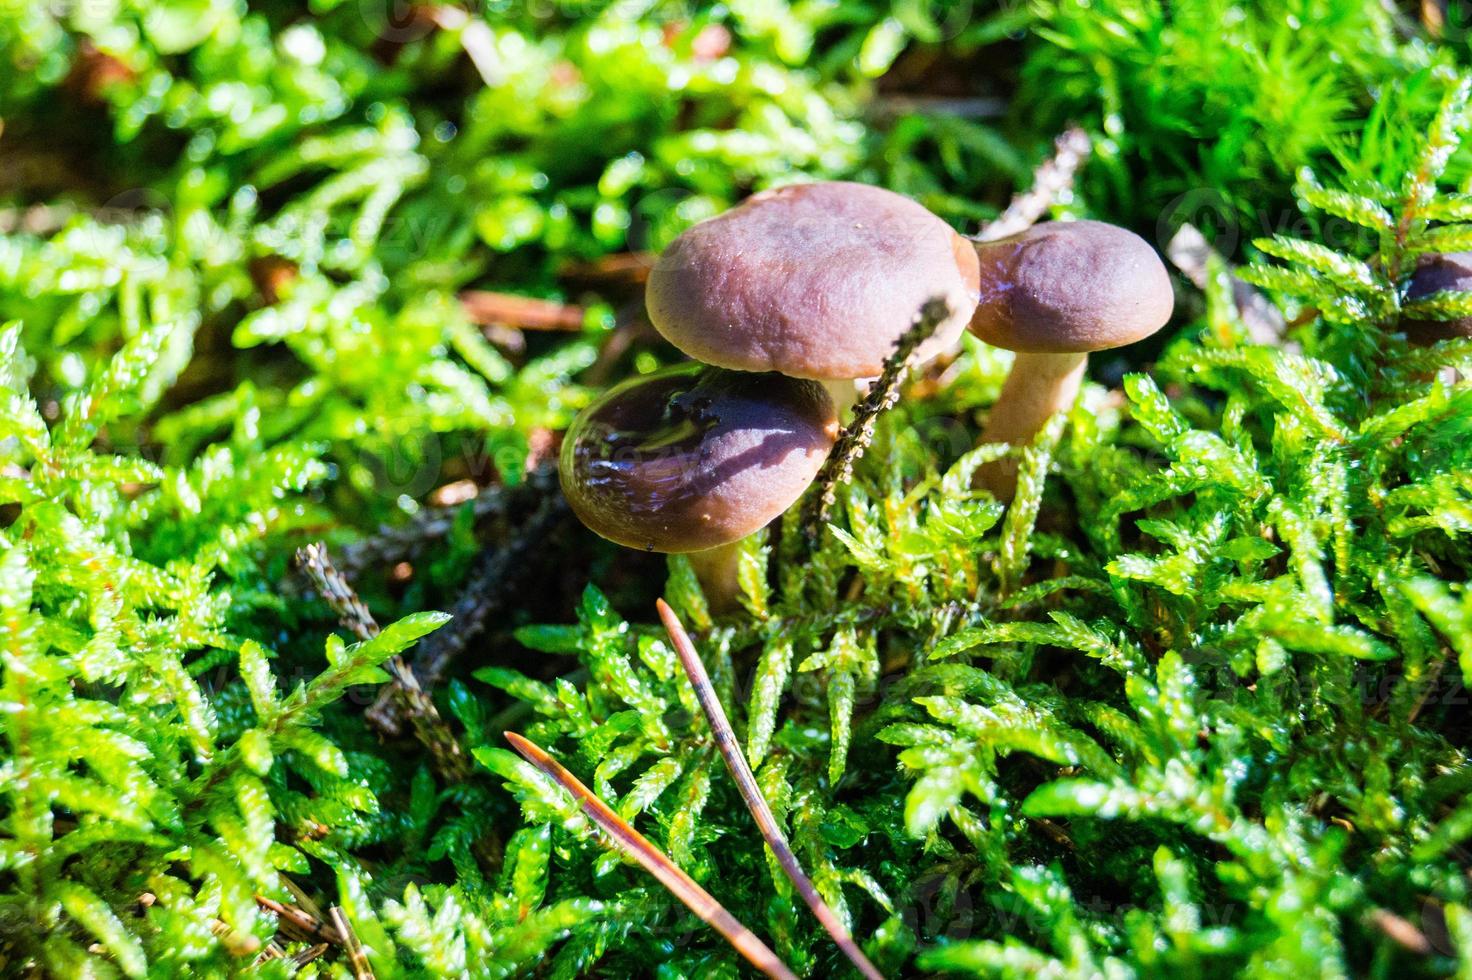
x,y
484,593
395,543
429,727
1433,18
308,955
620,267
307,924
476,40
487,308
752,794
361,969
839,465
1049,181
1401,931
630,842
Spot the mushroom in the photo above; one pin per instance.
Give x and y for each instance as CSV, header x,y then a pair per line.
x,y
1054,294
691,459
812,281
1448,272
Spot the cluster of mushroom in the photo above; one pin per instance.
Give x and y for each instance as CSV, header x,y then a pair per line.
x,y
799,292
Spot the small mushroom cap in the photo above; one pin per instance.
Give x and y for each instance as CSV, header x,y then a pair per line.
x,y
812,281
1449,272
692,457
1071,287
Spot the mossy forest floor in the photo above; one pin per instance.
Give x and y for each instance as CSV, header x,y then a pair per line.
x,y
1193,704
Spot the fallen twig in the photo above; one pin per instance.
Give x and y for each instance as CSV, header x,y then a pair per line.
x,y
429,727
485,592
359,962
1401,931
631,843
521,312
306,925
855,439
631,268
1049,182
751,793
476,40
393,544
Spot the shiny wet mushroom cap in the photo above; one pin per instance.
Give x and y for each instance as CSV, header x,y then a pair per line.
x,y
1450,272
812,281
693,457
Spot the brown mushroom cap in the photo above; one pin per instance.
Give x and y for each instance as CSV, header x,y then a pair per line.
x,y
1450,272
1070,287
692,457
812,281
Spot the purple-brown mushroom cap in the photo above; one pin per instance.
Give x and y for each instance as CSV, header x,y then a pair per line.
x,y
1449,272
1070,287
692,457
812,281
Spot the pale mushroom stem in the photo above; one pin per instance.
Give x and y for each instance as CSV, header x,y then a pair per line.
x,y
845,395
717,569
1038,387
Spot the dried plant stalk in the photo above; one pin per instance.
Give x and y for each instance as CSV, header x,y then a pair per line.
x,y
429,727
750,792
855,439
629,841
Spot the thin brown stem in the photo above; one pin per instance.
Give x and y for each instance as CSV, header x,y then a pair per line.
x,y
856,436
303,922
1038,387
630,842
356,958
490,585
750,792
430,728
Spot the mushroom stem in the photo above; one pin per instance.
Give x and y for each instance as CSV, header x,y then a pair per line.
x,y
1038,387
717,568
845,395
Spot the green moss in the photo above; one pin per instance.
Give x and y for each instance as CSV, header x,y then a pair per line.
x,y
1192,704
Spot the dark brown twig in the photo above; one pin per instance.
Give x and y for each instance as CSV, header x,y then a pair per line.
x,y
395,543
855,439
485,593
301,922
1049,182
631,843
751,793
429,727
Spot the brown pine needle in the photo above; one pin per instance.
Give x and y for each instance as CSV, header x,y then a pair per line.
x,y
752,794
629,841
356,958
